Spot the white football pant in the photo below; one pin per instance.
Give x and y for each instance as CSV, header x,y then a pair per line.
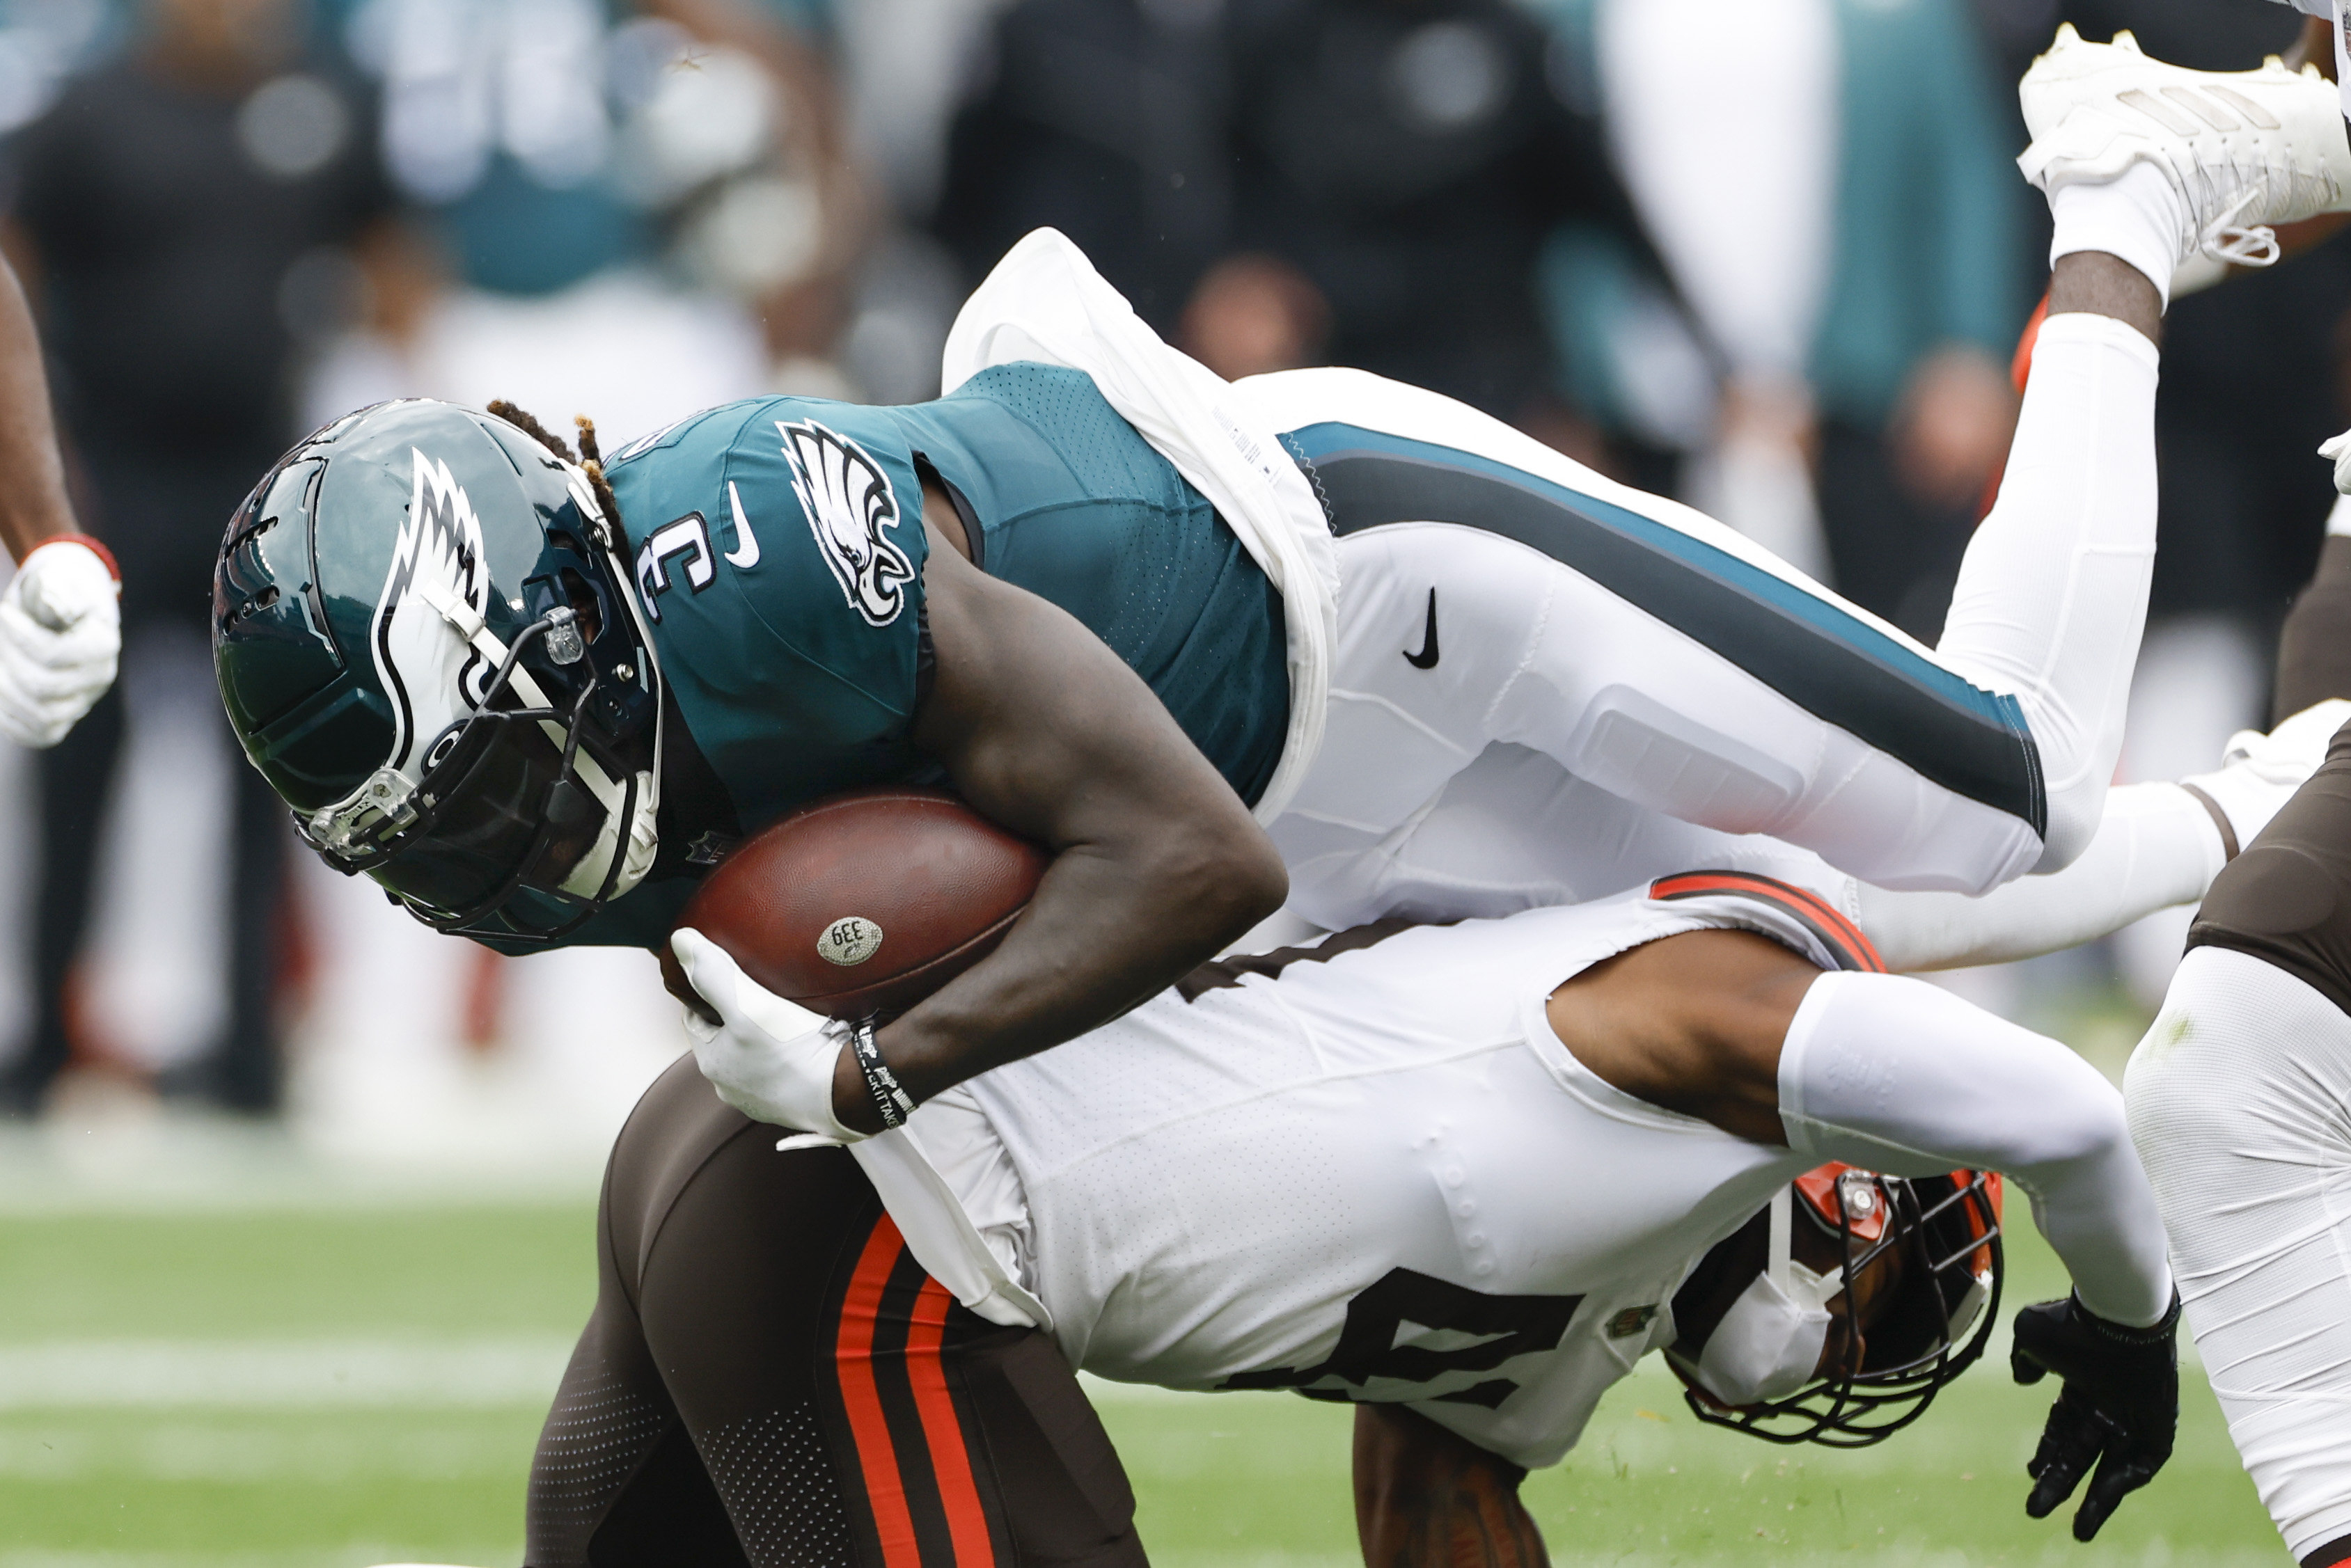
x,y
2240,1101
1613,682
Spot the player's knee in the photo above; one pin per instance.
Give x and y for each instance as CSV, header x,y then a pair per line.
x,y
2233,1086
2166,1093
2073,823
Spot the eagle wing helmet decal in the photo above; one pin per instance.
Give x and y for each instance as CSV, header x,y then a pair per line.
x,y
427,667
849,502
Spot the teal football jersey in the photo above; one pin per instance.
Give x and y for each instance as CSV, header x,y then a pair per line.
x,y
777,549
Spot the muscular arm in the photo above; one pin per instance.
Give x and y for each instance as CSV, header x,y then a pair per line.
x,y
1156,862
1427,1499
33,505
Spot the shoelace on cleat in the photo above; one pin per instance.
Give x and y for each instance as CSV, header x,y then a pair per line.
x,y
2226,242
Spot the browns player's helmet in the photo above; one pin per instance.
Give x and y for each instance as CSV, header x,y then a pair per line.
x,y
425,638
1909,1276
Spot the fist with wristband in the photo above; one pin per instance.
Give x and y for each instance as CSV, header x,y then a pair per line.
x,y
60,638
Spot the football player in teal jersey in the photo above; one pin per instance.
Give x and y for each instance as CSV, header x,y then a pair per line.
x,y
1124,608
534,725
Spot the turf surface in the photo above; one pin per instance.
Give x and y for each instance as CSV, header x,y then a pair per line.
x,y
337,1388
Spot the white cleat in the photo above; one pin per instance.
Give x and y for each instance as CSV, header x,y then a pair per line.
x,y
2260,772
2245,149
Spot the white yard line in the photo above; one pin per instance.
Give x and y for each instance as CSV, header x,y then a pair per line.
x,y
284,1374
306,1557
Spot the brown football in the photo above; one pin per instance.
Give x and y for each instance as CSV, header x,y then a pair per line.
x,y
865,902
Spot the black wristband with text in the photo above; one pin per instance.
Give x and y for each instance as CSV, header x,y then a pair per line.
x,y
894,1103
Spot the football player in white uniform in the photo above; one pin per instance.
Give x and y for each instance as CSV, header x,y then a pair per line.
x,y
1463,1176
61,630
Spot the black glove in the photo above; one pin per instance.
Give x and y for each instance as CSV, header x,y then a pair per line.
x,y
2119,1409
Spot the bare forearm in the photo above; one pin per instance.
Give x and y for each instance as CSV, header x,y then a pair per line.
x,y
32,505
1157,863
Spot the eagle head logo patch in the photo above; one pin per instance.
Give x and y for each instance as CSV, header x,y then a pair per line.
x,y
850,507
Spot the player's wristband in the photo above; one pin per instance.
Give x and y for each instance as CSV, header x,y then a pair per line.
x,y
894,1103
90,542
2159,1332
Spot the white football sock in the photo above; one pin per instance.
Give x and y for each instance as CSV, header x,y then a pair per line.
x,y
2136,215
2156,846
2051,594
1897,1076
2338,521
2240,1103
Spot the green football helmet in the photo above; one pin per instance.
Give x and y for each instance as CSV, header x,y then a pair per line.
x,y
425,636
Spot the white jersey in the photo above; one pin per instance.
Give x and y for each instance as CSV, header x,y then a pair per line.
x,y
1377,1175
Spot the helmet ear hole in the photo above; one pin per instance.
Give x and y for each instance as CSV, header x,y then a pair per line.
x,y
438,752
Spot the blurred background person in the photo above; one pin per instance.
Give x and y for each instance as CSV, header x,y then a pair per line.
x,y
638,209
1284,183
1406,161
180,212
1830,184
1106,119
626,211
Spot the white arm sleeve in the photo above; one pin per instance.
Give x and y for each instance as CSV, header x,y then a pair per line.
x,y
2156,846
1896,1075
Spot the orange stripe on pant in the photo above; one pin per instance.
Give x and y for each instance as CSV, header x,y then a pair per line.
x,y
950,1457
877,1457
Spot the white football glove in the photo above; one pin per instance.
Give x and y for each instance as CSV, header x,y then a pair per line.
x,y
60,639
771,1059
2338,450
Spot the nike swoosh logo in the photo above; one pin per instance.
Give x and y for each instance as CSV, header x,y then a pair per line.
x,y
745,552
1426,657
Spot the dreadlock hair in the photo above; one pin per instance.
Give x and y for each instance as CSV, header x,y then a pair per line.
x,y
591,459
523,420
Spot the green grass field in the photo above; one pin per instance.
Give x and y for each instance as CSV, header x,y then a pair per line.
x,y
335,1387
